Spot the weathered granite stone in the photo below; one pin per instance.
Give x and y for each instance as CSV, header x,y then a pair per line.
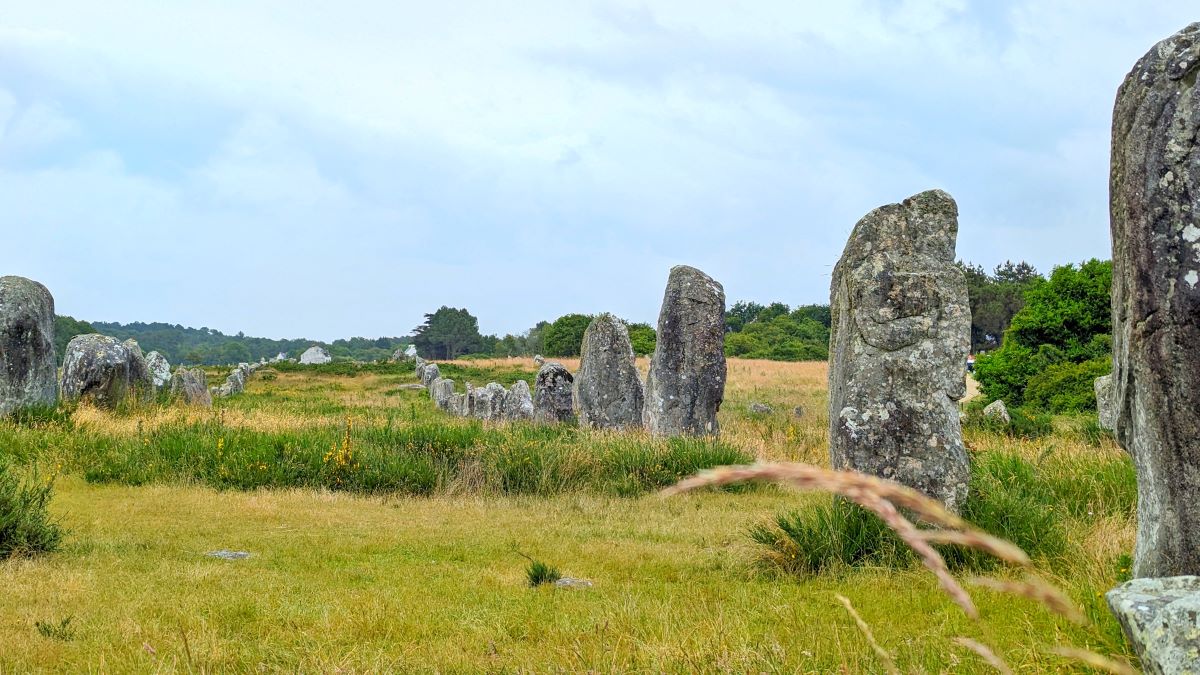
x,y
487,403
27,364
1155,217
159,369
997,410
430,373
901,334
98,369
440,390
418,365
759,408
608,388
798,412
1161,619
457,405
539,360
1104,403
686,383
518,402
143,381
190,385
552,397
314,355
235,382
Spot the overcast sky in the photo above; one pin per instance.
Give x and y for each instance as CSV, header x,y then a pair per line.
x,y
325,170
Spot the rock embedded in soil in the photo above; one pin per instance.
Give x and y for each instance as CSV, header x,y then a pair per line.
x,y
686,383
430,373
608,388
1155,217
159,369
1161,619
441,390
899,341
759,408
315,355
191,386
997,410
28,369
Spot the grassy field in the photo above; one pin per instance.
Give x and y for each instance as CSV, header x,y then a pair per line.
x,y
401,549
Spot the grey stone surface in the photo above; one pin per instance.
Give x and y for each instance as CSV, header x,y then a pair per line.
x,y
1161,619
552,394
27,363
226,554
997,410
539,360
798,412
429,373
190,385
441,390
418,365
1103,387
315,355
1155,218
235,382
573,583
143,381
518,402
608,388
901,334
159,369
487,403
98,369
686,383
759,408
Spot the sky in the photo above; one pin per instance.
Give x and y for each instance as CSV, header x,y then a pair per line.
x,y
327,170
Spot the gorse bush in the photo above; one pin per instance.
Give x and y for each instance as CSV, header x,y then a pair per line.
x,y
1066,387
26,526
1009,497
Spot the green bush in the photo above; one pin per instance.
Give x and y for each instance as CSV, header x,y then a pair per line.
x,y
26,526
1066,387
1009,497
1023,423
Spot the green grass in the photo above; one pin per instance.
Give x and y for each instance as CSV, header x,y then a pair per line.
x,y
26,526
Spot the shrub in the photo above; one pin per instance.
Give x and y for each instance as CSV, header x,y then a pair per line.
x,y
1022,423
1066,387
26,527
539,573
1008,497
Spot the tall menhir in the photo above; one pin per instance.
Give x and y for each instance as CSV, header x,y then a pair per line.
x,y
1155,215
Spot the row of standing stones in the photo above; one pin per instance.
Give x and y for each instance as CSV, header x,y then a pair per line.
x,y
97,368
682,392
901,325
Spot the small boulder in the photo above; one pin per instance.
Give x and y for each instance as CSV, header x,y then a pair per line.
x,y
539,360
1161,619
759,408
315,355
998,411
27,363
553,400
798,412
518,402
190,385
159,369
418,365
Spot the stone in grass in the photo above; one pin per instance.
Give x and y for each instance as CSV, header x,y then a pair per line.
x,y
572,583
226,554
1161,619
997,410
759,408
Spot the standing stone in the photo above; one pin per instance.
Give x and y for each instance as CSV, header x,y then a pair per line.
x,y
900,336
608,389
1155,216
518,402
143,381
686,383
99,369
487,403
457,405
314,355
430,373
27,365
539,360
159,369
191,386
441,390
1104,403
418,365
1161,618
552,399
